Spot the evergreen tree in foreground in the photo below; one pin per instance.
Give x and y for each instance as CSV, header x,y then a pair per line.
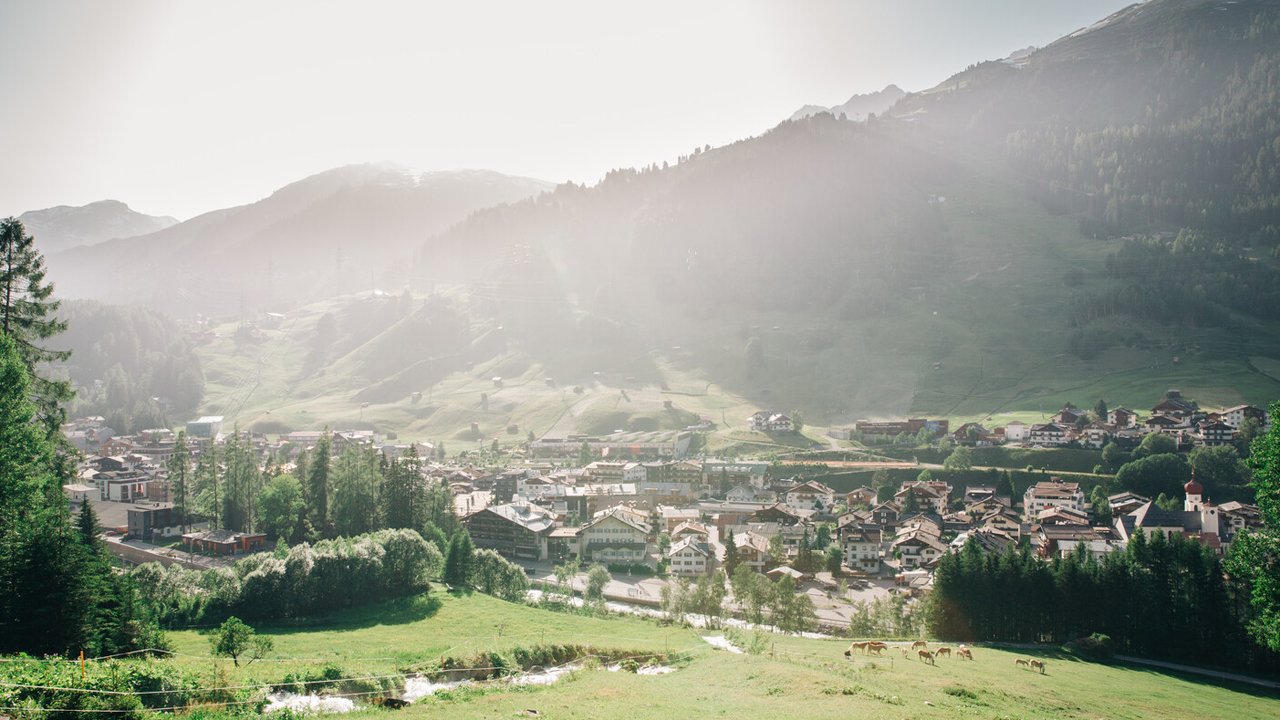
x,y
27,317
58,594
1255,555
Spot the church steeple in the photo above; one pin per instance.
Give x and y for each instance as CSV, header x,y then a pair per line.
x,y
1194,492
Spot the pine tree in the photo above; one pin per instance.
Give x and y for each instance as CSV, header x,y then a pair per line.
x,y
27,317
457,562
179,466
317,486
731,558
356,487
208,480
58,592
87,525
404,501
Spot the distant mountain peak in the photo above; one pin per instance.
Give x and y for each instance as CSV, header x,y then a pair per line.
x,y
63,227
857,107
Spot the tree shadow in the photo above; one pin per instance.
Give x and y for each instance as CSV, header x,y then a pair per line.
x,y
393,612
1244,688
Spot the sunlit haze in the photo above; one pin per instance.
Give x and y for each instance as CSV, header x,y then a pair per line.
x,y
179,107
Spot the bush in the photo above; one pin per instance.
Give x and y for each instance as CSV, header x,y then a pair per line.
x,y
310,580
1096,647
960,692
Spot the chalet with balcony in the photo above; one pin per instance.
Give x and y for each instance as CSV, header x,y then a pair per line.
x,y
518,530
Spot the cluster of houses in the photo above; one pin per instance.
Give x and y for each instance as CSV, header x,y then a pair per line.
x,y
685,525
646,505
1174,415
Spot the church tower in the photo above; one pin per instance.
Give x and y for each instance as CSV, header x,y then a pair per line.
x,y
1195,491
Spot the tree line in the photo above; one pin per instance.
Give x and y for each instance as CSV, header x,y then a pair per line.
x,y
1160,597
1167,597
321,496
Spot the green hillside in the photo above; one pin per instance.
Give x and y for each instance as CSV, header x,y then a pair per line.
x,y
795,676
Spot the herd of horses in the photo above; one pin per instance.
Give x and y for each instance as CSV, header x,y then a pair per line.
x,y
922,651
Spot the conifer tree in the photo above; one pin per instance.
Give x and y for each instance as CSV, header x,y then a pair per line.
x,y
58,592
27,316
317,486
179,466
731,558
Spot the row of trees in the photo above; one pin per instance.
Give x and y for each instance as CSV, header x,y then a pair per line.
x,y
1163,597
302,581
757,598
358,492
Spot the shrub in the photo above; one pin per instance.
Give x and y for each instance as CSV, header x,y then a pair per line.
x,y
1096,647
960,692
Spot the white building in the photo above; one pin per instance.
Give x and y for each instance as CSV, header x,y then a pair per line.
x,y
1055,493
617,535
1047,434
1235,416
770,421
861,547
1015,431
811,495
689,557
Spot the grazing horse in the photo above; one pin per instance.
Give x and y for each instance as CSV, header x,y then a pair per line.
x,y
942,651
919,644
964,652
1038,665
1022,662
876,647
926,656
855,646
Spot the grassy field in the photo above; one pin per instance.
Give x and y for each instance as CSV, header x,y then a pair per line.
x,y
793,676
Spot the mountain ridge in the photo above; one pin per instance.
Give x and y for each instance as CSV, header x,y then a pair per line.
x,y
63,227
858,107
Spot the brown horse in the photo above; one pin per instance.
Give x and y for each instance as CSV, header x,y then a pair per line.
x,y
1038,665
926,656
855,646
876,647
964,652
943,651
919,644
1021,662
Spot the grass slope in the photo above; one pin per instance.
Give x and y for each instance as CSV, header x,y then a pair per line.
x,y
795,677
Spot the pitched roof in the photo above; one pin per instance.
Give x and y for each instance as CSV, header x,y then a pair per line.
x,y
690,527
812,486
624,514
527,515
689,544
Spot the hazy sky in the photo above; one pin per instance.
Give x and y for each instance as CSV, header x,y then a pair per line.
x,y
182,107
